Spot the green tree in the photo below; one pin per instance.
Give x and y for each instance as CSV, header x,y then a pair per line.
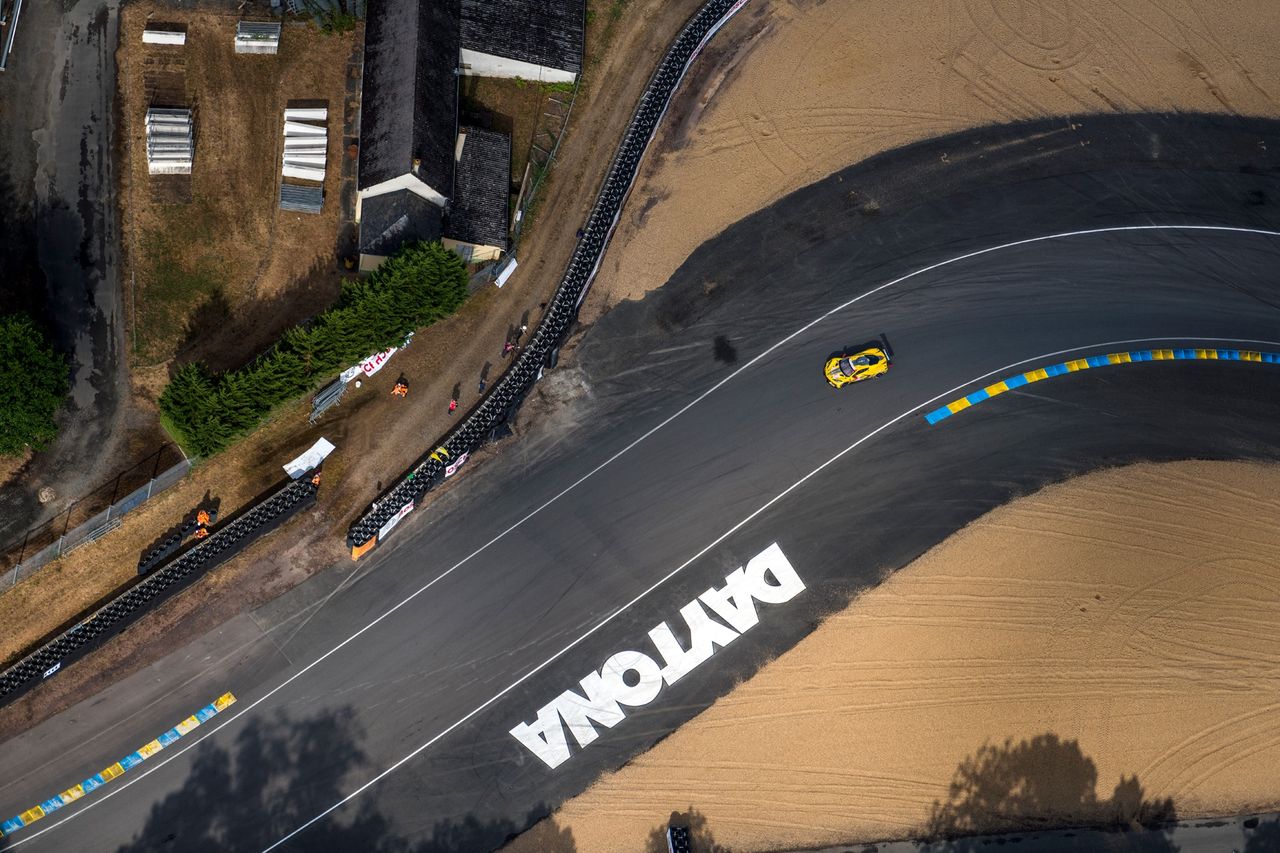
x,y
33,384
422,283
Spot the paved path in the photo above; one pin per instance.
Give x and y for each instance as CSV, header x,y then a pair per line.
x,y
57,102
477,614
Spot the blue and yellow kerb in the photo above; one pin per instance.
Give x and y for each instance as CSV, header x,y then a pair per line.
x,y
1079,364
133,759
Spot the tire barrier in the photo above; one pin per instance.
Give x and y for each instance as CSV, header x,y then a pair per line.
x,y
231,538
489,418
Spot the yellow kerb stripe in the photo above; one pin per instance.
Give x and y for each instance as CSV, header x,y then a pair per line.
x,y
150,749
1036,375
112,772
32,815
958,405
226,700
187,725
998,388
1251,355
73,793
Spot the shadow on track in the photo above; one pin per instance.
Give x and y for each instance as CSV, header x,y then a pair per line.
x,y
280,772
1048,782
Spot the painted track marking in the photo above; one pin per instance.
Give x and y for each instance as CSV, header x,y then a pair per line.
x,y
1077,364
770,350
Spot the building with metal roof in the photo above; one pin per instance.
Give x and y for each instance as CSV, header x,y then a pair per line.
x,y
476,220
538,40
257,37
390,220
409,109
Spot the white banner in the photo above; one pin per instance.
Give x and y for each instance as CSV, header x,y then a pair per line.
x,y
373,363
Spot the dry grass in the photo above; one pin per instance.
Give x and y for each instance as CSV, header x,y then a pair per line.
x,y
219,276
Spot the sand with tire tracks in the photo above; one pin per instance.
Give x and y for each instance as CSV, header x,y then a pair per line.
x,y
793,90
1105,650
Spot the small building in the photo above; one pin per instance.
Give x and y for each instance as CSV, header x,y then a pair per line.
x,y
538,40
389,220
256,37
170,34
409,108
476,219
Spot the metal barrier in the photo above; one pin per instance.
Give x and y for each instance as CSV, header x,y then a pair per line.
x,y
99,524
135,601
502,402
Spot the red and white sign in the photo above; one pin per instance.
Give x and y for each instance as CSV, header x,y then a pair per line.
x,y
450,470
373,363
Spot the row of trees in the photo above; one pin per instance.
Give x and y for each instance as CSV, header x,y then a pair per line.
x,y
421,284
33,384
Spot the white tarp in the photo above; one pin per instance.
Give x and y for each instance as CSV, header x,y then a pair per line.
x,y
508,267
306,114
310,459
302,173
163,37
297,128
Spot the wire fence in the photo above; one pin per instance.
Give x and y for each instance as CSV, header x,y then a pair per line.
x,y
92,516
490,417
557,113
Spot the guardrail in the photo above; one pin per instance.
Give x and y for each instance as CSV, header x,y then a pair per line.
x,y
11,29
130,605
543,348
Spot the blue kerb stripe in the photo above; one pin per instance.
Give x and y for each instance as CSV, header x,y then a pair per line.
x,y
92,782
51,805
11,825
168,737
131,760
1181,354
205,713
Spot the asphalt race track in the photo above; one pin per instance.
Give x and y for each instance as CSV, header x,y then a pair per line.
x,y
528,557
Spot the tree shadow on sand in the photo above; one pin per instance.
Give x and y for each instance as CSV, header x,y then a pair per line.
x,y
702,841
282,771
1040,783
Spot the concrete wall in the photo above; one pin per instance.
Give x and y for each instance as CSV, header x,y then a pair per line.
x,y
476,64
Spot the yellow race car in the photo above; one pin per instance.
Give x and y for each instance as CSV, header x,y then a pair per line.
x,y
856,366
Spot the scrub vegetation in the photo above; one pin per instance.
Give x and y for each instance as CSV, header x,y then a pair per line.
x,y
33,384
421,284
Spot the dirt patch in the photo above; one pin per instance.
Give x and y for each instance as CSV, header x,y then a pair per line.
x,y
216,269
1100,652
793,90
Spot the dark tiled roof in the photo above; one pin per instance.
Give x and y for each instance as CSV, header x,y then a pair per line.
x,y
409,104
390,220
544,32
481,187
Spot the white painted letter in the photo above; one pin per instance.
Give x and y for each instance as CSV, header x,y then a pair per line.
x,y
772,560
734,603
545,738
704,635
614,674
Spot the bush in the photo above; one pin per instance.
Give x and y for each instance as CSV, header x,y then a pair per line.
x,y
422,283
33,384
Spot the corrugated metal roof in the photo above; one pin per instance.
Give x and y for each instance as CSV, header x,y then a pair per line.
x,y
303,199
256,30
390,220
409,104
544,32
481,189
